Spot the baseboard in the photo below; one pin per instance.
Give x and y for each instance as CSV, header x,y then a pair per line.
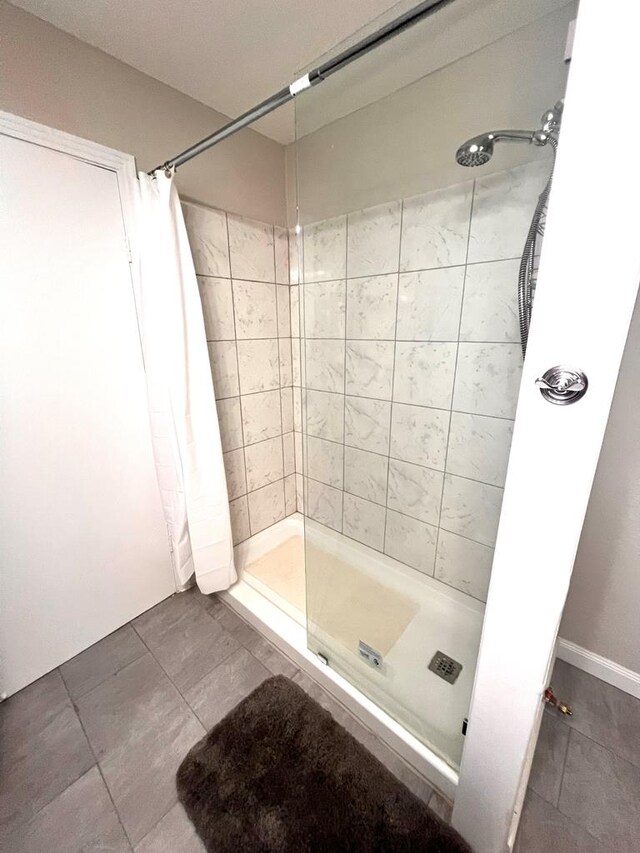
x,y
603,668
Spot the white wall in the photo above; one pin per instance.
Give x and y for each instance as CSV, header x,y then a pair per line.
x,y
601,613
53,78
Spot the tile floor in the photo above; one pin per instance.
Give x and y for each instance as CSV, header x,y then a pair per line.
x,y
584,789
89,752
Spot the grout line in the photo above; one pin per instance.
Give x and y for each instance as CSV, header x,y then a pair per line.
x,y
393,379
453,384
95,757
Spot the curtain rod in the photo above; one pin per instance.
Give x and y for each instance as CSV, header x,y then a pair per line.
x,y
312,78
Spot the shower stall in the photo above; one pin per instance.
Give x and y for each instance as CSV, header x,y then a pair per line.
x,y
401,578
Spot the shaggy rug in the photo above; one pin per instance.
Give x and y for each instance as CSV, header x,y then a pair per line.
x,y
279,775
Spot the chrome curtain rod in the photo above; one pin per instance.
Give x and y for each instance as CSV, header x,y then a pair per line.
x,y
312,78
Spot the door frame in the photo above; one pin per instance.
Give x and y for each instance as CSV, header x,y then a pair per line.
x,y
587,285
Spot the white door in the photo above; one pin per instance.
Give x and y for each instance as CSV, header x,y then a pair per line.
x,y
587,286
83,545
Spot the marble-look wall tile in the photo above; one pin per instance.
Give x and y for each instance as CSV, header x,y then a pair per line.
x,y
294,300
258,366
479,447
297,409
410,541
325,250
463,564
296,362
503,205
281,249
290,499
207,233
264,463
363,521
415,491
371,307
239,510
366,424
235,473
217,308
266,506
283,293
324,364
251,249
324,309
324,461
224,368
488,379
365,474
325,415
255,309
261,416
429,304
288,454
230,421
286,404
419,435
435,228
323,503
424,374
369,368
471,509
490,309
373,240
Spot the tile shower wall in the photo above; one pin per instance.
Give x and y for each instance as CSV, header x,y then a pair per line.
x,y
243,276
413,365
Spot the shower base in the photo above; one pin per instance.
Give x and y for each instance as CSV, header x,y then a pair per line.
x,y
410,708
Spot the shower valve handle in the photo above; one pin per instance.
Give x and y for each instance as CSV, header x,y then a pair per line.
x,y
562,385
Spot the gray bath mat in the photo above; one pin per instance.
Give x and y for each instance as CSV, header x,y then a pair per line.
x,y
279,775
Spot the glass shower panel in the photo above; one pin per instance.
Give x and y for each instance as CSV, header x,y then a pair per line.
x,y
410,345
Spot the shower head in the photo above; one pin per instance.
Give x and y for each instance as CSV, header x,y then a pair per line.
x,y
476,151
479,150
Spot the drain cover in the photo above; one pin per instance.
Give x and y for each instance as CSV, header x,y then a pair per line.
x,y
445,667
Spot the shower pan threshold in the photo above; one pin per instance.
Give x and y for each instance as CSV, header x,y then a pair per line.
x,y
285,626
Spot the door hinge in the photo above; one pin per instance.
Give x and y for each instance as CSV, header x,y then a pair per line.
x,y
551,699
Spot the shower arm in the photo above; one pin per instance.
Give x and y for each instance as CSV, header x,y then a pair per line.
x,y
312,78
535,137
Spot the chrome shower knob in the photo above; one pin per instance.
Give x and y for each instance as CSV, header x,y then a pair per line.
x,y
562,385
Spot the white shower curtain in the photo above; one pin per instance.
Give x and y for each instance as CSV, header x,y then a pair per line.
x,y
184,423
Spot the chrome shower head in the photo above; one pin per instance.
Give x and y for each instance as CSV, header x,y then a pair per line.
x,y
476,151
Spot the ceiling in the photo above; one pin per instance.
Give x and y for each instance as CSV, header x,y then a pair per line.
x,y
232,54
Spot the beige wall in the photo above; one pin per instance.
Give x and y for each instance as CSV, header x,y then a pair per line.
x,y
602,611
404,144
53,78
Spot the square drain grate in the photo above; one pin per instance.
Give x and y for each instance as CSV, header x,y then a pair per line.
x,y
445,666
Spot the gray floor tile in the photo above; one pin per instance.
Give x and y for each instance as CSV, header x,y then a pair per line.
x,y
600,711
549,758
174,834
185,639
601,792
81,819
543,829
90,668
222,689
141,729
43,749
233,623
26,713
271,657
